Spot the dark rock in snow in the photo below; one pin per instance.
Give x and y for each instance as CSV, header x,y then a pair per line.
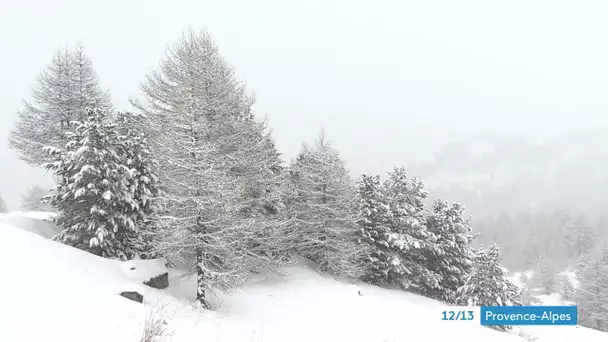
x,y
132,295
159,282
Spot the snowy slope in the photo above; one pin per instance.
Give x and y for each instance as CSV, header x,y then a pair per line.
x,y
558,334
51,292
33,221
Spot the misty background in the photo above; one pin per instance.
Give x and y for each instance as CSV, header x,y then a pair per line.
x,y
500,105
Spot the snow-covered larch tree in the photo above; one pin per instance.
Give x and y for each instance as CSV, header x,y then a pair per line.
x,y
325,211
488,283
375,230
93,197
409,234
32,200
63,90
86,84
219,169
452,257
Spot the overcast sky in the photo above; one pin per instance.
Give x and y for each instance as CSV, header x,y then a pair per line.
x,y
388,80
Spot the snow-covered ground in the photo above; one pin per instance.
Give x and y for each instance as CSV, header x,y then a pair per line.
x,y
554,333
33,221
51,292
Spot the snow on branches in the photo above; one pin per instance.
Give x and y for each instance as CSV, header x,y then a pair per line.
x,y
325,211
98,209
65,88
218,165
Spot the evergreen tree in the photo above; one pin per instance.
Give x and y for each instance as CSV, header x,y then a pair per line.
x,y
375,230
566,290
218,164
523,278
133,151
452,257
592,294
579,237
546,275
488,283
581,263
3,207
32,200
325,211
409,235
525,295
93,196
64,89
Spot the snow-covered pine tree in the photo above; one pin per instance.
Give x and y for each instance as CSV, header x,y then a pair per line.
x,y
325,211
581,263
374,224
3,207
546,275
579,237
134,153
32,200
523,278
92,197
525,295
488,283
566,289
218,165
63,90
409,235
452,256
592,294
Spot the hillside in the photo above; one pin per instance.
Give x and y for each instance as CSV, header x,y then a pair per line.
x,y
51,292
557,334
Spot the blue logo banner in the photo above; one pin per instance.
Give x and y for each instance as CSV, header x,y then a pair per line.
x,y
529,315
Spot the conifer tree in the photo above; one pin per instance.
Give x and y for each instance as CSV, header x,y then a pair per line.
x,y
218,166
409,235
488,283
592,295
86,84
325,211
546,275
566,290
133,151
64,89
452,257
3,207
375,230
93,195
523,278
579,237
32,200
581,263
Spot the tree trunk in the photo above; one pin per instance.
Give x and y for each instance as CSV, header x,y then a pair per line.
x,y
201,289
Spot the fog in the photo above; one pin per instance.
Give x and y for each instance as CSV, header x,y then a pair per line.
x,y
391,82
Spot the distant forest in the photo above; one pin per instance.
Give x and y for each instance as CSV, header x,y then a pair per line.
x,y
533,198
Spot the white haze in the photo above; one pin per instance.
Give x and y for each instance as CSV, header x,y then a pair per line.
x,y
390,81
